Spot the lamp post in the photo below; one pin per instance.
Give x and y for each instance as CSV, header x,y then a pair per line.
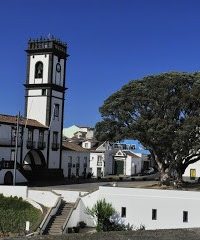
x,y
16,150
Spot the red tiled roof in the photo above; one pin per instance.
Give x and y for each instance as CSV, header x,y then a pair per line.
x,y
22,121
73,147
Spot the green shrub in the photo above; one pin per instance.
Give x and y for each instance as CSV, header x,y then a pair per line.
x,y
14,212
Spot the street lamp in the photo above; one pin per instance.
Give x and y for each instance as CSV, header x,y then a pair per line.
x,y
16,150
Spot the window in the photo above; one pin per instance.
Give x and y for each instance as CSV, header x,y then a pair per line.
x,y
13,135
132,147
12,156
55,145
30,135
55,137
77,172
78,160
41,143
154,214
41,136
56,111
86,145
192,174
185,216
123,212
44,92
99,161
70,159
39,70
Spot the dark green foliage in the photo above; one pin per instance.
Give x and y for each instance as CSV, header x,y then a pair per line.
x,y
82,224
14,212
110,225
163,113
103,212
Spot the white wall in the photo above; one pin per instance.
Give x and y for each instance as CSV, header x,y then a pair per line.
x,y
69,196
133,165
93,162
140,202
58,77
18,191
54,156
75,217
34,204
74,154
46,198
36,106
88,201
69,132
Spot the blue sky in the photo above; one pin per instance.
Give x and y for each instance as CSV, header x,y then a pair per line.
x,y
110,42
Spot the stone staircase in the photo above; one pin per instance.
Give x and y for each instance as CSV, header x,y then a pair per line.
x,y
54,226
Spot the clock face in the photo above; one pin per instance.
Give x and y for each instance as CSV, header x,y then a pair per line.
x,y
58,67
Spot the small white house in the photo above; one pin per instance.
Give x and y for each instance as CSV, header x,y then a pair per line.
x,y
192,172
75,160
127,163
101,159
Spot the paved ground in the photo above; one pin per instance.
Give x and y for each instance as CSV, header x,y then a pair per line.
x,y
89,187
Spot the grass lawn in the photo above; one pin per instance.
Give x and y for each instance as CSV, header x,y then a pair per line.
x,y
14,212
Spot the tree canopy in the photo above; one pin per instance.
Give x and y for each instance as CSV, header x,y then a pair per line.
x,y
162,112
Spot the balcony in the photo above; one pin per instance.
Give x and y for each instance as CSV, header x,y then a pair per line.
x,y
10,142
30,144
41,145
55,146
6,164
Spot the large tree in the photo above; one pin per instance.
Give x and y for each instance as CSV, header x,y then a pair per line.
x,y
163,113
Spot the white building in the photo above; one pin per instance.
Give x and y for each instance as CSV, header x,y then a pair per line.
x,y
75,160
192,172
80,132
127,163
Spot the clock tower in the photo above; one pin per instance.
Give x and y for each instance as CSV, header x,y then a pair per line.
x,y
45,91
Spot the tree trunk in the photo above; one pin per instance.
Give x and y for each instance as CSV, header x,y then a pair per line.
x,y
164,171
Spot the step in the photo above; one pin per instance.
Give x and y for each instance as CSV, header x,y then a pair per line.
x,y
55,233
61,216
57,227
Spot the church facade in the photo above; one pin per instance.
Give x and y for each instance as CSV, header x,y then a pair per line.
x,y
35,140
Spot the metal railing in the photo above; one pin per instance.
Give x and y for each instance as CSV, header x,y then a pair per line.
x,y
30,144
41,145
55,146
6,164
